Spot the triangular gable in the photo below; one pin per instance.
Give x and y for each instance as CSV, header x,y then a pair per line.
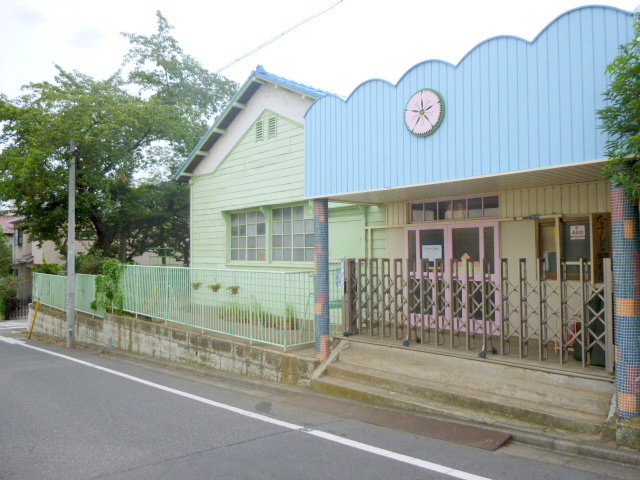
x,y
265,137
294,96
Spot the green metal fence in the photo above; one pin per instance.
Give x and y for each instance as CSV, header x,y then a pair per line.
x,y
269,307
51,290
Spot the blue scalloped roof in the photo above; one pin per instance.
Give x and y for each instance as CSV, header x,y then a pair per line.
x,y
510,105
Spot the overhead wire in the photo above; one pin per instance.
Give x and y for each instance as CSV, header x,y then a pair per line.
x,y
251,52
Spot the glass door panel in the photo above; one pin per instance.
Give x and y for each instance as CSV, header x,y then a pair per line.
x,y
432,245
490,248
466,243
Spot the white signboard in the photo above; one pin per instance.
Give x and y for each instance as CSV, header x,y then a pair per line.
x,y
577,232
431,252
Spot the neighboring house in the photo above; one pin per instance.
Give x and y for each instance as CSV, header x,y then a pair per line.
x,y
28,254
248,208
499,156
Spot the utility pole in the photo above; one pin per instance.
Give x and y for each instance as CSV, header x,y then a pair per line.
x,y
71,249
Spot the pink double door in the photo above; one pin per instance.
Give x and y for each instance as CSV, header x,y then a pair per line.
x,y
468,244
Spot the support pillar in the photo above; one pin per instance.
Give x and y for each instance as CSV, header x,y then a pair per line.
x,y
626,294
321,277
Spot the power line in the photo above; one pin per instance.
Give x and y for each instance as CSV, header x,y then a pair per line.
x,y
251,52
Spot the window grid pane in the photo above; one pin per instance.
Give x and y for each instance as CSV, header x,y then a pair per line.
x,y
248,232
477,207
292,237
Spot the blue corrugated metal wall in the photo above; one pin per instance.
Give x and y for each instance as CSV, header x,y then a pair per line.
x,y
510,105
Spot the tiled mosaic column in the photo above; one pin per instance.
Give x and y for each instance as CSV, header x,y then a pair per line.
x,y
626,293
321,276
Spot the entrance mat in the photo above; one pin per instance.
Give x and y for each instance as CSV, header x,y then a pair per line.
x,y
407,422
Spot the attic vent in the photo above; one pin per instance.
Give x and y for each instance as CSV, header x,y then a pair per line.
x,y
259,131
272,127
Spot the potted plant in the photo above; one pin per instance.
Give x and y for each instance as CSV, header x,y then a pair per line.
x,y
196,285
289,322
233,289
214,287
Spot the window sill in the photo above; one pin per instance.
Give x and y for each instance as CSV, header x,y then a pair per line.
x,y
265,264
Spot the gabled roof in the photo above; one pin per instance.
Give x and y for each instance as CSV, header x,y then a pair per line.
x,y
258,78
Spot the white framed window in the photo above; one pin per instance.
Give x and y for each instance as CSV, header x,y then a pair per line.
x,y
249,236
286,233
292,235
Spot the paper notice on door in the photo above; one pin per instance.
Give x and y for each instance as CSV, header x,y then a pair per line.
x,y
431,252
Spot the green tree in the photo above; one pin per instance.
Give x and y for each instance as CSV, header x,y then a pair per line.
x,y
131,129
621,117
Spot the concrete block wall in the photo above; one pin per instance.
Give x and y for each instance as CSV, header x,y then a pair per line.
x,y
179,345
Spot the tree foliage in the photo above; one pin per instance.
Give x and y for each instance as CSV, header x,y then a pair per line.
x,y
621,117
131,130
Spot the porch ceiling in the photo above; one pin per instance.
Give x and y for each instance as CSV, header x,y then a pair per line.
x,y
582,172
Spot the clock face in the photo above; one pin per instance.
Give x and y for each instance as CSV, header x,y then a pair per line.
x,y
424,112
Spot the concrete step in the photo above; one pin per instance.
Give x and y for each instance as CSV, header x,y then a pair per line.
x,y
569,396
383,388
412,362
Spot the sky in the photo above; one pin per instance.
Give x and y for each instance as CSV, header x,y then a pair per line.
x,y
355,41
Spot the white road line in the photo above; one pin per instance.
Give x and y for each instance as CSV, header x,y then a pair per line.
x,y
317,433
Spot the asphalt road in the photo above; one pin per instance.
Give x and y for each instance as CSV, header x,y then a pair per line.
x,y
77,414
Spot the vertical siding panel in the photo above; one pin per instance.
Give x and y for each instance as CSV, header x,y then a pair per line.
x,y
484,114
524,203
574,198
494,125
517,203
464,122
604,197
564,200
552,119
502,198
533,201
543,99
599,55
473,162
592,197
576,111
519,156
589,95
564,140
557,199
511,212
543,199
583,198
533,118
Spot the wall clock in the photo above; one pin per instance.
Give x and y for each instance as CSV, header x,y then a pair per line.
x,y
424,112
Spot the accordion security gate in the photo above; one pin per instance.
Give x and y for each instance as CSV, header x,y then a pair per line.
x,y
511,312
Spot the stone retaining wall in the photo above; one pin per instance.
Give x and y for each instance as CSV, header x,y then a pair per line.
x,y
182,345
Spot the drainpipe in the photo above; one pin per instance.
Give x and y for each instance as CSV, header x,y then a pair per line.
x,y
626,294
321,277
